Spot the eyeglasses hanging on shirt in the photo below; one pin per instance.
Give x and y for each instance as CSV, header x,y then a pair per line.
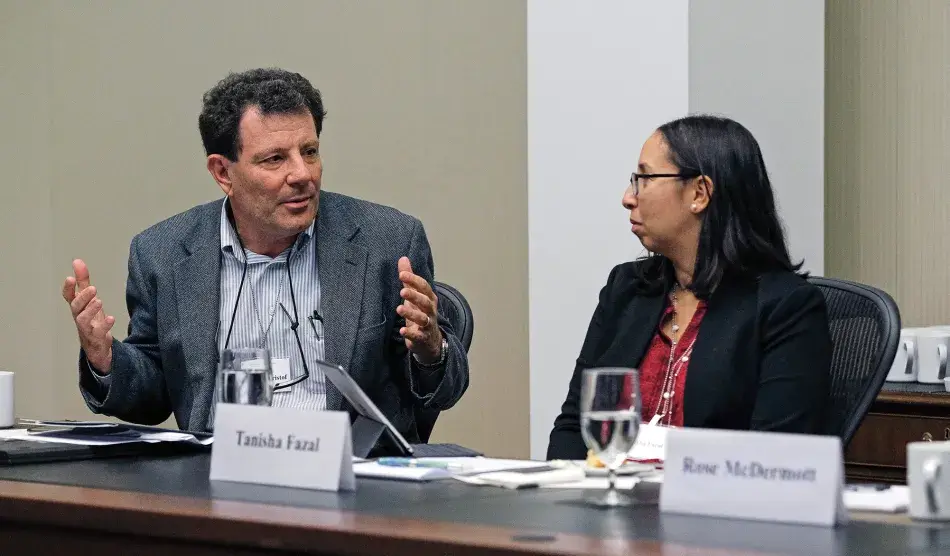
x,y
294,320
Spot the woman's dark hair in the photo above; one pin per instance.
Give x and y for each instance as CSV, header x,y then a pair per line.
x,y
741,235
271,90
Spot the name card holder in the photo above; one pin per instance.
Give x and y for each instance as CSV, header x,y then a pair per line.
x,y
780,477
283,447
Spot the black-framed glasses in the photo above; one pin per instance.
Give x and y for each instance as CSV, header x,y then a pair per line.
x,y
294,324
637,179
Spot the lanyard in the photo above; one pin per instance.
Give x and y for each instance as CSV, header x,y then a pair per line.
x,y
273,312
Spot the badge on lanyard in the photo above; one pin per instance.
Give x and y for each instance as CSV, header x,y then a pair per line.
x,y
280,368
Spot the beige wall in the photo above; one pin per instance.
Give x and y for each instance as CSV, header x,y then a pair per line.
x,y
427,113
887,187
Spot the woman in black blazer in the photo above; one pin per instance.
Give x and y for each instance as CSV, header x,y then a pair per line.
x,y
725,331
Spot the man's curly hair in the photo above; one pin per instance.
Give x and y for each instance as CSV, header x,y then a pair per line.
x,y
271,90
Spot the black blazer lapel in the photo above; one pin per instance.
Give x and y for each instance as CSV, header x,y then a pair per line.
x,y
713,379
635,329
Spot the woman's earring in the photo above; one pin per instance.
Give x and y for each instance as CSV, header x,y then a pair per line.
x,y
693,207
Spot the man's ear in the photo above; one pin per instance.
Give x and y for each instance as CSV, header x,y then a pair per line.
x,y
701,190
218,166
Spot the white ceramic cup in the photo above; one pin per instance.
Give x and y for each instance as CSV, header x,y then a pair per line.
x,y
6,399
933,349
928,479
906,365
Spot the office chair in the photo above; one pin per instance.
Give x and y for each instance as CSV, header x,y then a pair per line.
x,y
865,326
454,308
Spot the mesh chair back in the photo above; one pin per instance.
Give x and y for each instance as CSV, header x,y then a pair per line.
x,y
865,330
454,308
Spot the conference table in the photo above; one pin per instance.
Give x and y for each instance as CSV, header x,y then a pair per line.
x,y
167,505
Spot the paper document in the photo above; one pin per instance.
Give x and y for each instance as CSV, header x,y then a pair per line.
x,y
525,478
628,468
890,499
11,434
66,423
102,435
600,483
175,437
23,434
467,466
373,470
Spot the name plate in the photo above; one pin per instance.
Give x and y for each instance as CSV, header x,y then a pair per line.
x,y
650,444
282,446
792,478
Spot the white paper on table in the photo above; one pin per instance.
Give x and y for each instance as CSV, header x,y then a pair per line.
x,y
600,483
629,468
22,434
67,423
892,499
596,483
171,436
151,437
470,466
373,470
524,478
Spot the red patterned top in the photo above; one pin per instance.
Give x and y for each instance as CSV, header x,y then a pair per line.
x,y
654,366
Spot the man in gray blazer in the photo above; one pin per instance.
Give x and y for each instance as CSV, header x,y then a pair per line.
x,y
277,264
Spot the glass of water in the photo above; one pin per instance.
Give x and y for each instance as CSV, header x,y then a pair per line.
x,y
245,377
610,421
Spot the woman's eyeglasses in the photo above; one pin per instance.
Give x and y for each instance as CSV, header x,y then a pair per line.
x,y
637,180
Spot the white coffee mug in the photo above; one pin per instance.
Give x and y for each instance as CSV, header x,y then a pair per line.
x,y
6,399
906,365
928,479
933,345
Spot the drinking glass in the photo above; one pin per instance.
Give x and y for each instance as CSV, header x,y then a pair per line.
x,y
245,377
610,422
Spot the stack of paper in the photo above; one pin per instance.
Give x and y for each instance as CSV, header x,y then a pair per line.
x,y
461,467
101,434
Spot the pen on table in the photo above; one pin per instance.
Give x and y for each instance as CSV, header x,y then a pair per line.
x,y
409,462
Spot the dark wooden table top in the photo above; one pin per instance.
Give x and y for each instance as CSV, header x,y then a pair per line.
x,y
171,498
913,388
923,398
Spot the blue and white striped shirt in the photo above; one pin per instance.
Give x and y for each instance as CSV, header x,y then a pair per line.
x,y
260,321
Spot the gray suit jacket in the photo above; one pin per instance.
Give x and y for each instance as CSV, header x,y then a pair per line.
x,y
168,362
